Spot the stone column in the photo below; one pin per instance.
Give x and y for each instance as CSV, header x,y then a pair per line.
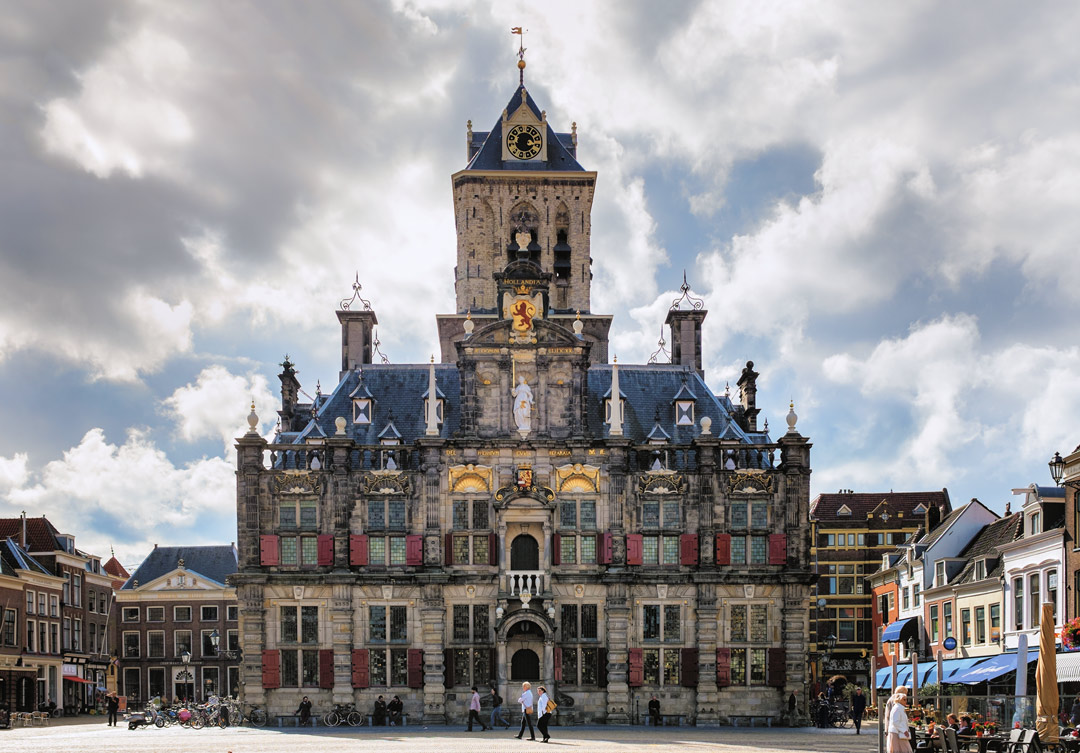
x,y
502,555
549,669
549,542
341,637
617,617
433,629
708,695
252,641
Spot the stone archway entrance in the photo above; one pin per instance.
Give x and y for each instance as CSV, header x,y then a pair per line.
x,y
525,665
525,651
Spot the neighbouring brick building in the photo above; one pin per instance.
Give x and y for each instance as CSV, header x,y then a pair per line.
x,y
850,534
524,510
174,603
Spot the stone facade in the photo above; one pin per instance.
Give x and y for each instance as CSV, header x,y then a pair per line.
x,y
523,509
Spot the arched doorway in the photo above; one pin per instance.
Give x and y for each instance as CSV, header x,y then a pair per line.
x,y
525,665
524,553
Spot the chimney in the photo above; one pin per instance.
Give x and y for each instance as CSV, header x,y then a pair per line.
x,y
686,329
356,338
23,542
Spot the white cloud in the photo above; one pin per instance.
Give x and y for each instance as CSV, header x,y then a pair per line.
x,y
217,404
13,471
130,495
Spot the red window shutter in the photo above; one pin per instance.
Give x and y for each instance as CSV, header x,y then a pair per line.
x,y
607,548
634,548
326,668
448,549
493,550
271,669
723,549
448,667
776,667
723,667
558,662
269,551
360,668
601,670
777,549
358,550
688,549
325,547
416,667
689,667
414,550
637,668
556,549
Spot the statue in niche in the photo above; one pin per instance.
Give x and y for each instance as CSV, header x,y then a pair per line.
x,y
523,403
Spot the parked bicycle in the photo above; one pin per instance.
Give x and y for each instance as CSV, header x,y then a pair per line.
x,y
344,713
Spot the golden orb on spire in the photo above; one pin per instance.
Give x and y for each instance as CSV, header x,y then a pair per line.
x,y
521,65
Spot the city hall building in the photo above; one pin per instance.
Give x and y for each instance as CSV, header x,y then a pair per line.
x,y
526,508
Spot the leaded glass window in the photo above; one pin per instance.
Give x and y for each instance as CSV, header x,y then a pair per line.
x,y
377,624
671,514
377,550
289,670
759,550
308,514
569,622
461,550
588,621
672,620
397,550
650,550
588,550
757,666
480,624
462,658
287,514
461,622
590,666
671,666
568,515
399,667
288,624
650,514
480,550
651,622
568,550
399,623
759,623
288,550
588,515
377,667
759,515
311,668
671,550
461,516
480,514
738,550
309,552
309,624
481,666
569,666
738,516
738,667
650,659
376,515
738,623
397,515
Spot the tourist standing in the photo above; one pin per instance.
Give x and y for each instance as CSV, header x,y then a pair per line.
x,y
543,715
112,705
526,701
378,716
496,710
858,706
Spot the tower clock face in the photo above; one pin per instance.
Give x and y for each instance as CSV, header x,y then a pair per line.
x,y
524,141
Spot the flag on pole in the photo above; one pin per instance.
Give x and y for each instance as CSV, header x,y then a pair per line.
x,y
515,30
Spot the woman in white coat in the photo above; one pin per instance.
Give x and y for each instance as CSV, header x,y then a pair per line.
x,y
899,740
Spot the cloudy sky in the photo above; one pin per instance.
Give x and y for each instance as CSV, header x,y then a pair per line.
x,y
878,202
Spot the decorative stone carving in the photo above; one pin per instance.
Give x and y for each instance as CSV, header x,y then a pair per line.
x,y
577,477
750,482
507,494
662,482
386,483
297,482
470,478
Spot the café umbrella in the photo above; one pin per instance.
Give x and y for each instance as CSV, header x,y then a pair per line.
x,y
1046,690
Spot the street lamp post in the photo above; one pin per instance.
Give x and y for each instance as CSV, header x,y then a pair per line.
x,y
913,647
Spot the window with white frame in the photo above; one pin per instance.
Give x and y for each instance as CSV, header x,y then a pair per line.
x,y
232,613
577,524
684,412
208,613
939,574
361,410
155,644
748,625
1052,590
298,514
181,643
387,550
385,515
155,614
130,614
31,600
181,614
131,644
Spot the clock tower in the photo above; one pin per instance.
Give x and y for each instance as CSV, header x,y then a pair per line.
x,y
523,196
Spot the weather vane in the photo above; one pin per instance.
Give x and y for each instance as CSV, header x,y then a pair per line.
x,y
521,52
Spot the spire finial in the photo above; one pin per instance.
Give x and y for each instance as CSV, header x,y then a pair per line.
x,y
521,53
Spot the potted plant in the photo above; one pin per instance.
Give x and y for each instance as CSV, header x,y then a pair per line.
x,y
1070,634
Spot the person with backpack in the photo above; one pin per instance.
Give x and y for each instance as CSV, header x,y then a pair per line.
x,y
497,710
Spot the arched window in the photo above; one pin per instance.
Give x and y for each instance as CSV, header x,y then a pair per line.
x,y
524,553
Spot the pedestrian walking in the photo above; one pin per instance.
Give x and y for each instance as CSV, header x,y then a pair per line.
x,y
543,713
497,710
858,707
474,711
112,705
899,740
526,701
304,712
654,711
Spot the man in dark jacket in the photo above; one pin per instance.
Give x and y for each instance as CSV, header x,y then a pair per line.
x,y
304,712
858,706
112,705
395,708
654,711
378,716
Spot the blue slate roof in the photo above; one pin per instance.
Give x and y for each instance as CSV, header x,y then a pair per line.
x,y
16,558
212,562
1050,491
398,391
489,156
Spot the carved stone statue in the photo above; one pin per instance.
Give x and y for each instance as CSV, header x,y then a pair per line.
x,y
523,403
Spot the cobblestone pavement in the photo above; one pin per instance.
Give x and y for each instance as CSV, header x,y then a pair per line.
x,y
96,737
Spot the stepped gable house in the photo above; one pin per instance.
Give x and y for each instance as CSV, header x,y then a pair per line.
x,y
524,509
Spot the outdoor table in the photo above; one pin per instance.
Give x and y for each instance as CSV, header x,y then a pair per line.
x,y
987,743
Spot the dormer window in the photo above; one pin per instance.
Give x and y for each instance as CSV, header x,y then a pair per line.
x,y
980,569
844,511
438,410
920,510
361,410
684,413
1034,524
607,409
939,574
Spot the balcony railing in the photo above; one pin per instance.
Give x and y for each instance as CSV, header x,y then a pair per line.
x,y
519,581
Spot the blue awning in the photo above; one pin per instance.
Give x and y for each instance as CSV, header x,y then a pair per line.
x,y
893,631
927,672
992,668
952,668
883,678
